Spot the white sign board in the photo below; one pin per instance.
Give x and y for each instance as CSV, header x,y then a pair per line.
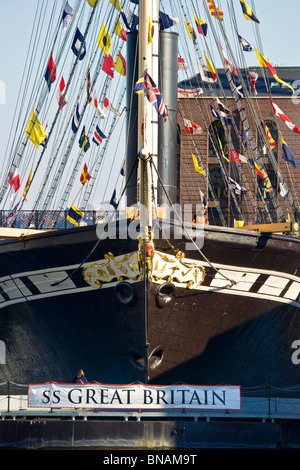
x,y
140,396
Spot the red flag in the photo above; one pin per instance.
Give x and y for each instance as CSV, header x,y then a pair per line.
x,y
181,64
190,126
60,92
50,75
108,65
237,157
288,122
85,176
253,78
230,66
110,107
14,181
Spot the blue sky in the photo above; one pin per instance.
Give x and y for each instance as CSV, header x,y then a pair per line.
x,y
278,30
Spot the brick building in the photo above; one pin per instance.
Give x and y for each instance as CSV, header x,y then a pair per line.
x,y
211,146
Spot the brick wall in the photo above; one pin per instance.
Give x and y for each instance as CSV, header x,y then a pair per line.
x,y
198,110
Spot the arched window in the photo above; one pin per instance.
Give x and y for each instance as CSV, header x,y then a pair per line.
x,y
267,135
217,139
267,139
217,146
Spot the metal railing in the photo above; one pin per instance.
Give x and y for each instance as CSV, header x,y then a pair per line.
x,y
52,219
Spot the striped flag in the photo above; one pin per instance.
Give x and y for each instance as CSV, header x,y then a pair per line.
x,y
248,13
98,136
74,215
215,10
189,93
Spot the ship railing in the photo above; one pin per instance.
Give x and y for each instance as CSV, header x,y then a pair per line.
x,y
48,220
264,403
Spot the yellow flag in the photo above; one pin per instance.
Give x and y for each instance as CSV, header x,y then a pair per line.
x,y
104,39
221,148
190,31
198,168
92,2
269,136
150,31
264,63
35,130
120,64
27,185
116,4
119,30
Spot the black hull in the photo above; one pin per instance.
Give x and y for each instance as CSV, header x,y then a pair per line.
x,y
208,335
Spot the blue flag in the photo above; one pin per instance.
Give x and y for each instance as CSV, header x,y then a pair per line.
x,y
131,20
98,136
246,46
113,200
287,154
76,45
76,120
165,22
84,142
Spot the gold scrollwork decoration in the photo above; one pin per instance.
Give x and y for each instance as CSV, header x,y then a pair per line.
x,y
177,268
114,268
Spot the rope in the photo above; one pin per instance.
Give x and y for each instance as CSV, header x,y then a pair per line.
x,y
232,282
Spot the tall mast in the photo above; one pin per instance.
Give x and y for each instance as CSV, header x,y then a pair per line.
x,y
147,141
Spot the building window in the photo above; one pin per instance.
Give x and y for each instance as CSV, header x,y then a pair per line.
x,y
217,139
267,138
217,182
262,139
217,147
